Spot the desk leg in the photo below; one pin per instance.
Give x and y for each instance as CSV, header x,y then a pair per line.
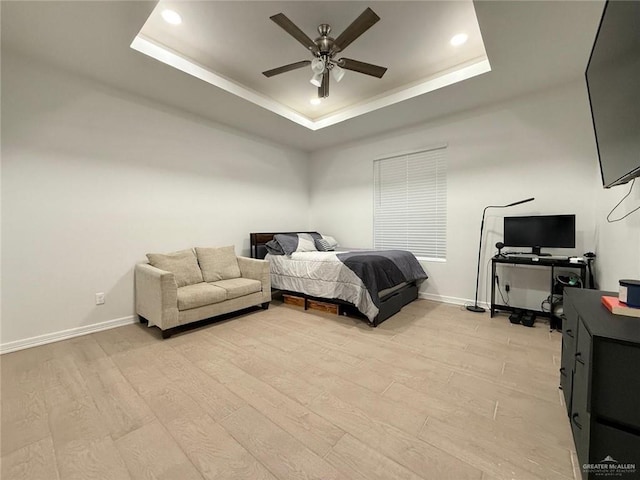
x,y
551,321
493,288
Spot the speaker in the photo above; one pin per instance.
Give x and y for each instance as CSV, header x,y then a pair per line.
x,y
499,246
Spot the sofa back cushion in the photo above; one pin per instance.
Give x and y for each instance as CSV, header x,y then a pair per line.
x,y
183,265
218,263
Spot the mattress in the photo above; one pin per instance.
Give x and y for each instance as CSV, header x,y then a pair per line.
x,y
325,275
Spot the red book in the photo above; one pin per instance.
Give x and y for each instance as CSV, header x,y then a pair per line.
x,y
615,306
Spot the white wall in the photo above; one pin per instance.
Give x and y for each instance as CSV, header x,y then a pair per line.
x,y
92,179
538,146
619,242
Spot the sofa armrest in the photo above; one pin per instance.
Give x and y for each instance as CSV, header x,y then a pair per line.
x,y
156,296
257,270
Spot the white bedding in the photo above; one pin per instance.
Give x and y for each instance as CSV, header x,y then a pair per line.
x,y
323,275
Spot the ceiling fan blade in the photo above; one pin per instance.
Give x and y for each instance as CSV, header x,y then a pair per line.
x,y
362,67
364,22
286,68
288,26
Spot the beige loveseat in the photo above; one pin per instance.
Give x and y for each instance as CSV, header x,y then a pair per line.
x,y
183,287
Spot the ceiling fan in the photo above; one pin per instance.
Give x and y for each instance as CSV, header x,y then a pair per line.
x,y
324,48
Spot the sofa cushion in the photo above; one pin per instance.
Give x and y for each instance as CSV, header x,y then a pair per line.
x,y
183,264
239,287
199,295
218,263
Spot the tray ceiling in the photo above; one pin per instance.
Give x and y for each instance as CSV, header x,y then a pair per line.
x,y
532,45
229,44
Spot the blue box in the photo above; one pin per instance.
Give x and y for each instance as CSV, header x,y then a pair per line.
x,y
630,293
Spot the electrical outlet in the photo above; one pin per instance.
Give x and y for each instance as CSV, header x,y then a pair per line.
x,y
507,287
100,298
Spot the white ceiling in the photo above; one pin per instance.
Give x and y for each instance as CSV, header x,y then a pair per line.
x,y
531,45
237,41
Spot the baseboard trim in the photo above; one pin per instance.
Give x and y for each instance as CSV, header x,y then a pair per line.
x,y
451,300
64,334
118,322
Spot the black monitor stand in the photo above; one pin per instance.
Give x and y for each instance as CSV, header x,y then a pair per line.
x,y
536,251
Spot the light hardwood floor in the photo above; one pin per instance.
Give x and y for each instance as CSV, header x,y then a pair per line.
x,y
435,392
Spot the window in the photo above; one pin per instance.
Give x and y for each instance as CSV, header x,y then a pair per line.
x,y
410,203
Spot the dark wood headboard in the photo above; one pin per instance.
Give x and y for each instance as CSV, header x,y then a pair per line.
x,y
257,241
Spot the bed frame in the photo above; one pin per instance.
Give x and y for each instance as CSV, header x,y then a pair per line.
x,y
390,304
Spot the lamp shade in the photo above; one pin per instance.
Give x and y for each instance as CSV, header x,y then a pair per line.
x,y
337,73
317,65
316,80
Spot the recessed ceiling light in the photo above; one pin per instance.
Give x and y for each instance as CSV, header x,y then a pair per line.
x,y
315,101
171,17
459,39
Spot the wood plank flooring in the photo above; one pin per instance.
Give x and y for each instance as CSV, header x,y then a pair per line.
x,y
435,392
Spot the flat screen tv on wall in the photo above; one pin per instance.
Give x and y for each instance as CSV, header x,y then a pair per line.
x,y
613,83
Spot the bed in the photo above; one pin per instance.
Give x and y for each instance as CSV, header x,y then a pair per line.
x,y
374,284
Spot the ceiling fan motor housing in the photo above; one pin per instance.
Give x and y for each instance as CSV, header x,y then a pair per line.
x,y
324,41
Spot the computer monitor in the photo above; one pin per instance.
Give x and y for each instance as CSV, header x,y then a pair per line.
x,y
552,231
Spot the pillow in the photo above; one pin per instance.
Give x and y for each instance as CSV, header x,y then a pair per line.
x,y
274,248
326,243
218,263
323,245
296,242
182,264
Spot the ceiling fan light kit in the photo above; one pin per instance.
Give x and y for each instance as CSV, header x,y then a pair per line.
x,y
317,65
337,73
316,80
324,48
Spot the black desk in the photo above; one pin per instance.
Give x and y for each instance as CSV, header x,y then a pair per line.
x,y
550,263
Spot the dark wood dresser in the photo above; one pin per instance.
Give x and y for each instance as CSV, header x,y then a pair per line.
x,y
600,379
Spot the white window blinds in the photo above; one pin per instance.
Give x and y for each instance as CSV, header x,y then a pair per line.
x,y
410,203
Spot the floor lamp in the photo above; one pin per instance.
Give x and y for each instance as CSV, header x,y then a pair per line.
x,y
475,307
